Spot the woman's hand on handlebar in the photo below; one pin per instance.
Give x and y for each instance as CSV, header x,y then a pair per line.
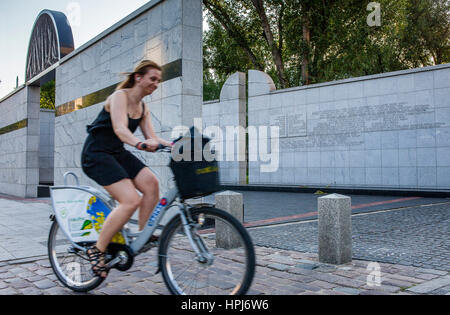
x,y
150,145
166,144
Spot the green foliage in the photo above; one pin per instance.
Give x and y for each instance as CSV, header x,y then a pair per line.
x,y
425,38
330,39
48,95
211,88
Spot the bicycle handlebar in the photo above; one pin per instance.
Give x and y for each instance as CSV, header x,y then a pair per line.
x,y
160,147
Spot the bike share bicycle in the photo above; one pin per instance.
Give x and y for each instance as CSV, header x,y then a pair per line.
x,y
202,250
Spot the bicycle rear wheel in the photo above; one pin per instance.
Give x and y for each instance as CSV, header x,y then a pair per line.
x,y
230,269
71,266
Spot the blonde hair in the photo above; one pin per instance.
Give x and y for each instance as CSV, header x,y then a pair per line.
x,y
142,68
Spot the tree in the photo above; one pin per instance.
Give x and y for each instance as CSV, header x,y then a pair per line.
x,y
236,28
48,95
425,37
275,47
301,42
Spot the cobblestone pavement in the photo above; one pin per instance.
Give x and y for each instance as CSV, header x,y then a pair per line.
x,y
265,205
418,237
24,228
279,272
411,246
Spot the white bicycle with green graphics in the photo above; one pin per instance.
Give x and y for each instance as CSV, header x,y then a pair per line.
x,y
202,250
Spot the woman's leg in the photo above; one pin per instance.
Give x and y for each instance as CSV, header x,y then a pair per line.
x,y
125,193
147,183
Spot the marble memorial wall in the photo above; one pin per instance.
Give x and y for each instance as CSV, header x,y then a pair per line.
x,y
19,142
168,32
387,131
222,116
384,131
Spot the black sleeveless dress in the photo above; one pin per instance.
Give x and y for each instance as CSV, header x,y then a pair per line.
x,y
104,158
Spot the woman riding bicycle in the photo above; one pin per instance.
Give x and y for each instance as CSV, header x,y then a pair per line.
x,y
105,160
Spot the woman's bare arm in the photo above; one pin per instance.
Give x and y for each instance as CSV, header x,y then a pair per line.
x,y
119,118
147,129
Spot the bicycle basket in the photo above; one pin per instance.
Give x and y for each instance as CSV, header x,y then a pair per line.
x,y
195,176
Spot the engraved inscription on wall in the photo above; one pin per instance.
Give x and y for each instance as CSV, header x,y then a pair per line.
x,y
297,125
386,117
292,125
281,122
346,127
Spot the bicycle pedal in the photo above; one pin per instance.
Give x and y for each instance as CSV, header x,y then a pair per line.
x,y
114,262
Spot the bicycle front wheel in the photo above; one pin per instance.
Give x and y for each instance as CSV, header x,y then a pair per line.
x,y
69,264
230,265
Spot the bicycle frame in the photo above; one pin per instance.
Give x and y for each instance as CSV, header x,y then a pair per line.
x,y
80,211
165,203
158,213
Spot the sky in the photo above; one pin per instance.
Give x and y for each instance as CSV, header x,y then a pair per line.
x,y
88,18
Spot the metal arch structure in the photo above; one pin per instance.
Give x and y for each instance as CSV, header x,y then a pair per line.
x,y
51,39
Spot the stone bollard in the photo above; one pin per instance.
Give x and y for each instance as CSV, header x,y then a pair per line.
x,y
335,229
232,203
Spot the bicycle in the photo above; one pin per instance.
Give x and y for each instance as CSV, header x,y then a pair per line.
x,y
201,250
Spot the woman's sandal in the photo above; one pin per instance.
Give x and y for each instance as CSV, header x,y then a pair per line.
x,y
97,259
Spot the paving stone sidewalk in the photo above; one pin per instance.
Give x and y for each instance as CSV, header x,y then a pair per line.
x,y
279,272
411,246
416,236
24,228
